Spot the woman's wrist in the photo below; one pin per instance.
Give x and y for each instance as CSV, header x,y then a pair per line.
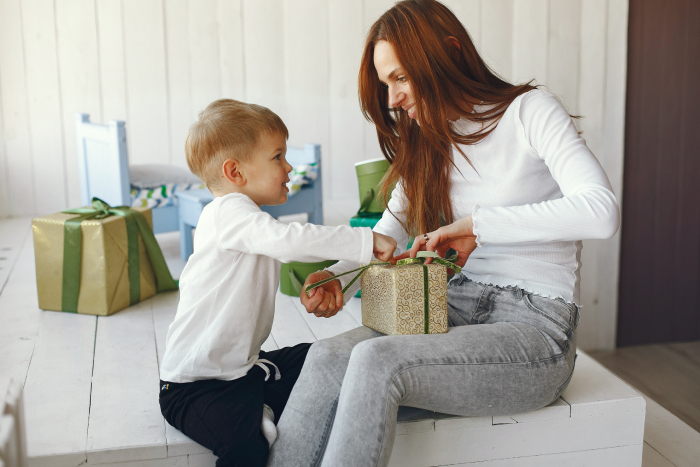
x,y
468,226
463,228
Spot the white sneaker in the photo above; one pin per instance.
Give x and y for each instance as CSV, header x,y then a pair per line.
x,y
268,425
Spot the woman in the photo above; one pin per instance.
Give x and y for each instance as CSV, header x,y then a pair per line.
x,y
494,171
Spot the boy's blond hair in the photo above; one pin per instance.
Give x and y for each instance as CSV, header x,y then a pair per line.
x,y
227,129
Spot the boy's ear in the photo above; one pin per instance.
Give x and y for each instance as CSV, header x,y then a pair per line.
x,y
231,169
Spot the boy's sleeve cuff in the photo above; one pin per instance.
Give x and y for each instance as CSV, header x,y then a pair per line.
x,y
367,246
475,229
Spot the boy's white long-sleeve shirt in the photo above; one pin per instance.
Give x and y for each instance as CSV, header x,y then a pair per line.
x,y
228,287
535,191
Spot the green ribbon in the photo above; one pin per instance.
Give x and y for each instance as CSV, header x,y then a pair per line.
x,y
419,259
135,224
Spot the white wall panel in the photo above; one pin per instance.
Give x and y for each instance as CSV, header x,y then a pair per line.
x,y
110,33
306,75
4,175
530,37
146,82
181,113
591,92
157,63
203,40
497,36
346,40
38,24
373,9
17,144
79,78
469,13
564,38
612,158
232,59
263,38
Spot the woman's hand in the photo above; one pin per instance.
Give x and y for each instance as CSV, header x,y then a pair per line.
x,y
384,247
323,301
459,236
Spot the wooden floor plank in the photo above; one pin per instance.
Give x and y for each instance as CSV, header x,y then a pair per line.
x,y
668,373
125,419
13,234
324,328
288,327
58,389
269,344
652,458
162,317
687,350
670,436
354,309
170,246
19,314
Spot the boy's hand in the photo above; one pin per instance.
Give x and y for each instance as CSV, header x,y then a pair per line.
x,y
323,301
384,247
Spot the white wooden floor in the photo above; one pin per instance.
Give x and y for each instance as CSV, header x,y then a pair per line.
x,y
93,372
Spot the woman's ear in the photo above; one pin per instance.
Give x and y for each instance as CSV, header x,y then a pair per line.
x,y
231,169
453,47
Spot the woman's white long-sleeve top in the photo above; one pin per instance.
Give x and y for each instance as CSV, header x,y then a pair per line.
x,y
535,191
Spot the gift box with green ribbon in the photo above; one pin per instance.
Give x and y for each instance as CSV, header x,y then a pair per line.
x,y
97,260
407,298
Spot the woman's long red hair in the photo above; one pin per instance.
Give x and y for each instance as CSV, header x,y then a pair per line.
x,y
445,80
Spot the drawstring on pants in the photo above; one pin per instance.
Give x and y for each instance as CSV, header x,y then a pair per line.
x,y
260,362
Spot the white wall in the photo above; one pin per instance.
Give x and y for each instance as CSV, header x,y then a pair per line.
x,y
156,63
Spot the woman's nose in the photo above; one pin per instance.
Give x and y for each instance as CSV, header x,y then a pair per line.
x,y
395,97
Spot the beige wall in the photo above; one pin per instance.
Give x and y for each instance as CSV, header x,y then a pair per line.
x,y
156,63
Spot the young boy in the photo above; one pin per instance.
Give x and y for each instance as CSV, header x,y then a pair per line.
x,y
217,386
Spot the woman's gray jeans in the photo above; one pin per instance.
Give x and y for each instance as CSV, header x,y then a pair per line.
x,y
506,352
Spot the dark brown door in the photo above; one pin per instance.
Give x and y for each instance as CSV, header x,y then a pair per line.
x,y
660,250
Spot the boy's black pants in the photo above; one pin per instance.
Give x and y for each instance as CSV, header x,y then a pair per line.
x,y
225,416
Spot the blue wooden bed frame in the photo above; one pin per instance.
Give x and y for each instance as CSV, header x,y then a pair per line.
x,y
103,163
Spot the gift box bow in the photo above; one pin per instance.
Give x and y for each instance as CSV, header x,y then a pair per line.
x,y
136,225
419,259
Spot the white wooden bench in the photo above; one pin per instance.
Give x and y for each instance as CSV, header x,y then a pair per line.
x,y
108,413
91,394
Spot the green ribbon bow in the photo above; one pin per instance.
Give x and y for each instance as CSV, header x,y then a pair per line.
x,y
135,224
419,259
